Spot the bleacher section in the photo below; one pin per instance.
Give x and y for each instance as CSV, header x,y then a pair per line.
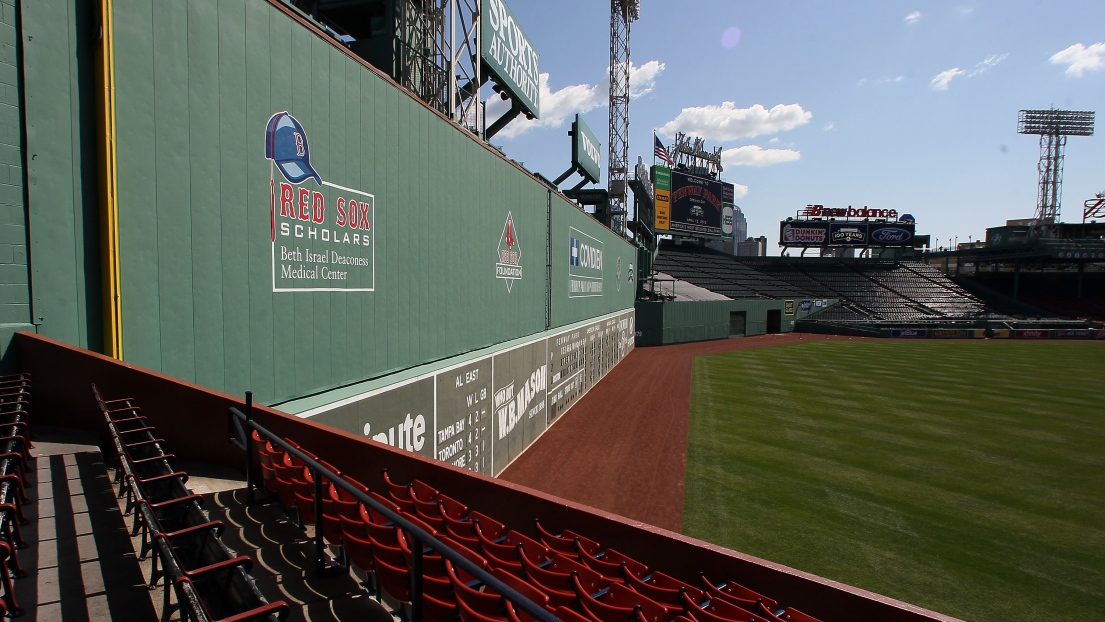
x,y
870,290
208,581
438,559
1055,292
15,443
721,273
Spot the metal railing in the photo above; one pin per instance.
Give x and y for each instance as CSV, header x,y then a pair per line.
x,y
240,426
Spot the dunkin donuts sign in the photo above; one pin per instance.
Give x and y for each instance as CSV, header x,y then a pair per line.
x,y
322,234
803,234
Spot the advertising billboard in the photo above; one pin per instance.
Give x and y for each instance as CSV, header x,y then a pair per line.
x,y
848,234
661,179
803,233
845,233
585,274
727,221
586,151
695,205
481,414
509,56
892,234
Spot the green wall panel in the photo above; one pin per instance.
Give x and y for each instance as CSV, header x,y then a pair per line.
x,y
618,290
662,323
197,83
61,191
15,282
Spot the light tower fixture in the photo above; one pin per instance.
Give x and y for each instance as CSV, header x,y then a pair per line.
x,y
1052,126
622,14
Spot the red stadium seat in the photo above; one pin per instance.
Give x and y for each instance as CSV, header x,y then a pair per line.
x,y
558,543
399,493
436,609
610,563
485,604
422,491
717,610
451,508
737,594
394,580
662,588
517,614
618,598
787,615
468,613
359,551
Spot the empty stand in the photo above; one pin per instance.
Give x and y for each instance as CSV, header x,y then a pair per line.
x,y
868,289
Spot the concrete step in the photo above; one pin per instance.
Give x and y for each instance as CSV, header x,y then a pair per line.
x,y
79,561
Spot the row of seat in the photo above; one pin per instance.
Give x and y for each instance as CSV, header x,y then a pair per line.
x,y
15,446
207,579
570,575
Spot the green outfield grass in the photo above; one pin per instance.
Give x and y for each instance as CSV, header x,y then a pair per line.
x,y
966,477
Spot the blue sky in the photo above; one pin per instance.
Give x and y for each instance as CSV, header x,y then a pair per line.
x,y
894,105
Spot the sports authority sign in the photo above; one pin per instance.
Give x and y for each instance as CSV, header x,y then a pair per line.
x,y
322,234
584,264
508,265
509,56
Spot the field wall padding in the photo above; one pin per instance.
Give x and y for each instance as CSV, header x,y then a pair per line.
x,y
483,411
669,322
289,219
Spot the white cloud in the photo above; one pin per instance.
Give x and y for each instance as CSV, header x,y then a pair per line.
x,y
739,191
558,106
990,61
886,80
1078,58
913,17
774,140
642,80
941,80
755,155
727,122
830,126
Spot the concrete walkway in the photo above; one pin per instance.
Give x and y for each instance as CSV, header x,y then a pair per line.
x,y
79,561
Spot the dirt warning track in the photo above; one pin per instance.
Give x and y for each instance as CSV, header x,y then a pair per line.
x,y
623,447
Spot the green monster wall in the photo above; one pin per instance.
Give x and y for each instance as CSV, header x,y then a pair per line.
x,y
196,85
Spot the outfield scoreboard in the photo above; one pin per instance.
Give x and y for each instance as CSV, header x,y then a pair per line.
x,y
820,227
691,205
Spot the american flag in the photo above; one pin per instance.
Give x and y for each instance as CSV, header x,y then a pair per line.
x,y
660,152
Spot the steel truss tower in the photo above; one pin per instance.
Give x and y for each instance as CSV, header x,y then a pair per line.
x,y
1053,127
622,14
419,35
439,56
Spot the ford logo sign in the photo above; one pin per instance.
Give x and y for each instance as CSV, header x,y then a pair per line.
x,y
890,235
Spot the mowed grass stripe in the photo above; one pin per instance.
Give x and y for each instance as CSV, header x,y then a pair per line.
x,y
964,477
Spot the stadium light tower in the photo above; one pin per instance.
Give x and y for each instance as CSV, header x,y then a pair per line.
x,y
1052,126
622,13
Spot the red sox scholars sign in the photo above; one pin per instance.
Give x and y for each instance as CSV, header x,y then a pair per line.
x,y
322,234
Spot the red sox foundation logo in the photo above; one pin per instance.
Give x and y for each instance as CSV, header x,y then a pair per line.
x,y
508,264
